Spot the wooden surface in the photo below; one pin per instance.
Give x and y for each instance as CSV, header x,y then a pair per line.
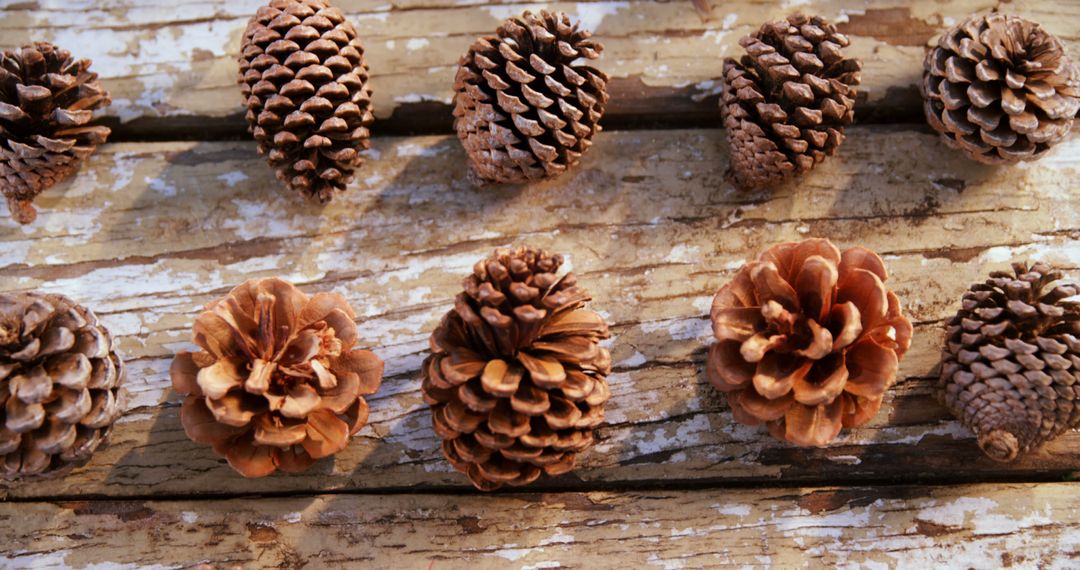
x,y
151,230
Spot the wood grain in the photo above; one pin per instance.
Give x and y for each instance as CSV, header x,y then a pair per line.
x,y
149,232
968,526
171,66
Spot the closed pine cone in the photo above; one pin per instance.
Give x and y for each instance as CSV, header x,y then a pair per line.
x,y
524,108
1000,88
59,385
517,379
808,340
305,82
1012,359
786,102
279,383
47,99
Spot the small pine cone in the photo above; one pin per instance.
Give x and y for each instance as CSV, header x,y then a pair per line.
x,y
524,107
59,385
808,340
305,82
1000,88
786,102
279,383
1012,360
47,100
517,379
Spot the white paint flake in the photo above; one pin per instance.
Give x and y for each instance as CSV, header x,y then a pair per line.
x,y
233,178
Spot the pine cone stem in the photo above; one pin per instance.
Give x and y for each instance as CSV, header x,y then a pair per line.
x,y
1000,445
22,210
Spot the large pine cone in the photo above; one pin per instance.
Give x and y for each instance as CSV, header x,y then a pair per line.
x,y
808,340
47,99
305,82
1000,88
59,385
1012,358
517,379
524,108
786,102
278,384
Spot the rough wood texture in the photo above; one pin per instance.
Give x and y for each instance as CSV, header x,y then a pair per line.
x,y
171,65
983,526
149,232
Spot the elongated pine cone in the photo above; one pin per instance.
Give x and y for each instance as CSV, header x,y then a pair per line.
x,y
517,379
305,82
1012,360
47,100
808,340
786,102
60,385
279,383
525,108
1000,88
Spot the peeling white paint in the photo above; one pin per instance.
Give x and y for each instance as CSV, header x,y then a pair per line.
x,y
231,179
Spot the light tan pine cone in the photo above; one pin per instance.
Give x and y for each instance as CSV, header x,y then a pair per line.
x,y
526,107
786,102
1012,360
47,100
1000,88
60,385
517,379
305,82
808,340
279,383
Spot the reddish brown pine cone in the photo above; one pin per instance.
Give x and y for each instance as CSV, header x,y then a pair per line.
x,y
47,101
1012,359
279,383
1000,88
786,102
526,107
517,379
808,340
60,385
305,82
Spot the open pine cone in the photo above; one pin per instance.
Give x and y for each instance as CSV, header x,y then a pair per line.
x,y
525,108
1012,360
808,340
305,82
786,102
59,385
517,379
47,99
279,383
1000,88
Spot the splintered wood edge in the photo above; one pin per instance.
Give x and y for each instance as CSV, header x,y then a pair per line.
x,y
664,58
150,232
964,526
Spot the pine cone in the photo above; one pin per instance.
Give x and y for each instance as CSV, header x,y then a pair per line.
x,y
785,104
47,99
1011,360
808,340
1000,88
305,81
517,378
59,385
279,384
524,109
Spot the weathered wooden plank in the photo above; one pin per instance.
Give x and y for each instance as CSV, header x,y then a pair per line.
x,y
171,66
150,232
968,526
